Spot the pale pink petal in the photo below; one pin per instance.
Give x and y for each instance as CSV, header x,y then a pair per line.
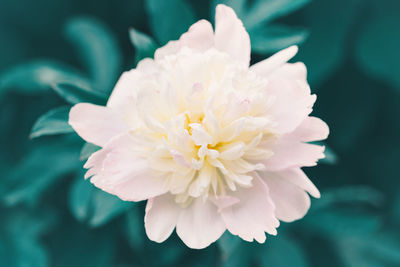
x,y
289,153
230,35
223,202
297,177
253,215
200,36
293,71
162,214
311,129
96,124
172,47
265,67
119,169
293,103
291,201
200,224
148,66
123,94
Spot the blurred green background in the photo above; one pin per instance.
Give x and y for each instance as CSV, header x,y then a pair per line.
x,y
54,53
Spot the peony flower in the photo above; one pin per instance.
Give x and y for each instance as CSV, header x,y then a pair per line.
x,y
210,142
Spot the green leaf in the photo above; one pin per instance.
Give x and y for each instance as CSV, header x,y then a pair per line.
x,y
107,207
372,250
275,37
282,252
228,244
53,122
135,228
98,48
38,76
144,45
324,51
21,232
39,169
88,203
75,93
164,21
378,51
87,150
358,194
330,156
263,11
79,198
344,222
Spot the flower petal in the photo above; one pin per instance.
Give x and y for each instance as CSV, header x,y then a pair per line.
x,y
124,94
230,34
172,47
265,67
161,217
200,36
96,124
119,169
293,71
311,129
291,202
289,93
297,177
200,224
253,215
289,153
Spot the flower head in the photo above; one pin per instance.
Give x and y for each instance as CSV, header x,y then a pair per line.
x,y
210,142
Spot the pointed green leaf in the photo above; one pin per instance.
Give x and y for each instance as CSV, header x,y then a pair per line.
x,y
38,76
96,207
144,45
75,93
106,207
87,150
98,48
263,11
135,228
53,122
271,38
164,21
41,168
80,196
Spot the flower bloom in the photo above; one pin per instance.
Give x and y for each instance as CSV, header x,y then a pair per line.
x,y
210,142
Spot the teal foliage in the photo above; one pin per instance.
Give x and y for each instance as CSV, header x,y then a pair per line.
x,y
52,59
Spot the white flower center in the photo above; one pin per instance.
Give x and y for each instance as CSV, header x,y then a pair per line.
x,y
205,119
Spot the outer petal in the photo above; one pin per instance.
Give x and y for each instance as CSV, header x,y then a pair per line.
x,y
291,202
292,71
124,93
297,177
199,37
253,215
96,124
172,47
161,217
200,224
230,34
311,129
119,169
289,153
293,103
267,66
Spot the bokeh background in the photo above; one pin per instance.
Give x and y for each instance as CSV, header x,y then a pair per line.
x,y
51,49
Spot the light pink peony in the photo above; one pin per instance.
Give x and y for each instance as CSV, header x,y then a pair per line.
x,y
210,142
